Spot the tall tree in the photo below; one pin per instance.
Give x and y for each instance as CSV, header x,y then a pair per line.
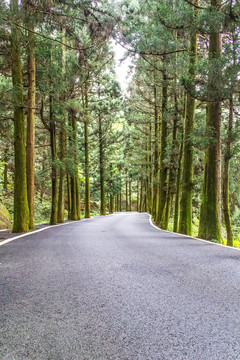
x,y
185,221
209,225
21,210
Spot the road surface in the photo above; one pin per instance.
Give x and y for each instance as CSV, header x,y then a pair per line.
x,y
114,288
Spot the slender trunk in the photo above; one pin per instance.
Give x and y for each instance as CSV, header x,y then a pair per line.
x,y
87,179
74,198
61,185
120,195
163,167
141,197
78,198
5,178
209,225
53,145
126,194
156,156
30,153
62,144
177,197
75,191
225,193
130,195
101,162
21,210
185,221
111,207
171,176
69,196
137,196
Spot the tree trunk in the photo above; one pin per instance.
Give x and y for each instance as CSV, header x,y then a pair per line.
x,y
87,180
30,153
171,176
111,207
225,194
21,210
209,225
137,196
53,145
69,196
120,195
130,195
101,163
185,221
5,176
177,197
62,144
126,194
163,168
156,156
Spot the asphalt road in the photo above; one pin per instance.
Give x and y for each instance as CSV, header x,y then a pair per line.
x,y
114,288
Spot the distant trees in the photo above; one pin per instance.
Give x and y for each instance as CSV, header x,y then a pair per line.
x,y
191,56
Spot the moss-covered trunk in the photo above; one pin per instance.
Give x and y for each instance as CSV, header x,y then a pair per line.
x,y
209,225
21,210
185,221
226,169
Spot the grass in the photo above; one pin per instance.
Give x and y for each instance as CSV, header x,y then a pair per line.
x,y
236,233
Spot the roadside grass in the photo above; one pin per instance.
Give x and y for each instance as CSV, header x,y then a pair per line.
x,y
236,233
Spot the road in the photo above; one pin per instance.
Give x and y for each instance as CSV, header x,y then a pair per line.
x,y
114,288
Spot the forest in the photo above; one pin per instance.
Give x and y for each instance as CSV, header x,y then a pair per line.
x,y
73,144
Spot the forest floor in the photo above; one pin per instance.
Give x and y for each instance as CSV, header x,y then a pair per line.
x,y
116,288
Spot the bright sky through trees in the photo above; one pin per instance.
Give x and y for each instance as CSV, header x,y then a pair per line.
x,y
122,66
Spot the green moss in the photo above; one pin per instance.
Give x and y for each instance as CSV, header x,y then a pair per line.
x,y
5,218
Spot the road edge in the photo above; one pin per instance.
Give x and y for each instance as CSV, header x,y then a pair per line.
x,y
190,237
36,231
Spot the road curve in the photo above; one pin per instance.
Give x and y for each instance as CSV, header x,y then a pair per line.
x,y
116,288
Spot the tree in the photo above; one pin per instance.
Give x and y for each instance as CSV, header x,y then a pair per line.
x,y
21,210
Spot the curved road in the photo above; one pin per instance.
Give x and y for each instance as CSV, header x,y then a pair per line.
x,y
114,288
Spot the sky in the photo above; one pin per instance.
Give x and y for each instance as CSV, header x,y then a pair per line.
x,y
122,68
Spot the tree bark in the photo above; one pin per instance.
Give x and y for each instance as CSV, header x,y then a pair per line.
x,y
126,194
30,151
87,180
177,197
209,225
185,221
21,210
163,169
156,156
101,163
225,193
62,144
53,145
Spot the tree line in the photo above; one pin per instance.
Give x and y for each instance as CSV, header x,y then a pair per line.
x,y
183,105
